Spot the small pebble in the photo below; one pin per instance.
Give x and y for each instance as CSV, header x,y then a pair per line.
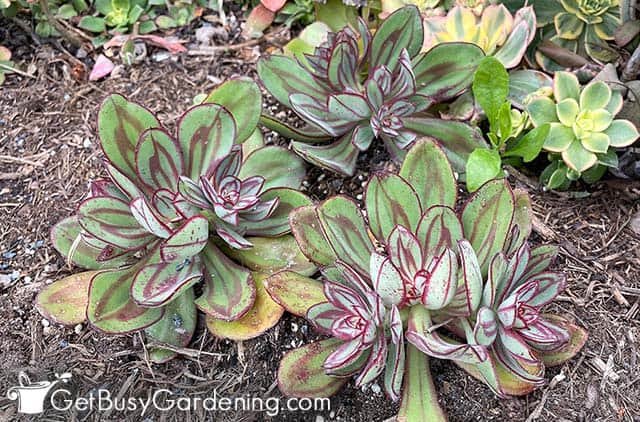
x,y
27,279
319,418
46,331
78,329
87,143
294,327
5,281
375,388
359,197
45,322
332,414
15,275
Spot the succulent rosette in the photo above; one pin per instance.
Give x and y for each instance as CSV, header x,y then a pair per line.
x,y
494,30
582,26
148,245
406,283
359,86
583,131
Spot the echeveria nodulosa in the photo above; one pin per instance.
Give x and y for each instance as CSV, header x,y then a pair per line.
x,y
401,284
152,233
359,86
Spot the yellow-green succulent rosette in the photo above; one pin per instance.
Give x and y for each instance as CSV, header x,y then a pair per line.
x,y
583,128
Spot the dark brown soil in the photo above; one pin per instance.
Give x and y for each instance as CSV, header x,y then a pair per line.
x,y
48,153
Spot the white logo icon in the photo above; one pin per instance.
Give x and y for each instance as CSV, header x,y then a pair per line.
x,y
31,396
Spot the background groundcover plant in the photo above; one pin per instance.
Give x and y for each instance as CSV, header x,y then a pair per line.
x,y
415,279
357,87
176,211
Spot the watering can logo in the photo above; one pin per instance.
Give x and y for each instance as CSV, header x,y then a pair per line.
x,y
30,395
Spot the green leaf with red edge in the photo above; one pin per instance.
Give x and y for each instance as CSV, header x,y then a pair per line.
x,y
344,227
269,255
66,238
307,230
229,289
279,167
521,219
242,98
438,229
65,301
278,223
446,70
264,314
282,76
305,134
176,327
401,30
428,171
456,138
187,241
158,284
294,292
487,218
159,160
339,156
120,124
391,201
206,134
577,340
111,220
111,309
419,395
301,374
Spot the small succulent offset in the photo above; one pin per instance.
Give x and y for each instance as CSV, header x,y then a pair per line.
x,y
582,129
357,87
415,279
146,230
495,30
582,26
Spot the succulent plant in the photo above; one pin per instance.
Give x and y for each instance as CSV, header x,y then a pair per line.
x,y
152,234
582,26
495,30
407,282
582,128
382,91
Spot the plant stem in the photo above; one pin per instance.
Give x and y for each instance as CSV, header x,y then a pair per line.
x,y
68,35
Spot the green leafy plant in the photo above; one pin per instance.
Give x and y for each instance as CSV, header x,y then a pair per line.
x,y
418,280
508,138
357,87
149,234
583,132
6,65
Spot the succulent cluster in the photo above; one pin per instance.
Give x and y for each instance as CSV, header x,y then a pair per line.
x,y
583,131
416,279
495,30
357,87
152,233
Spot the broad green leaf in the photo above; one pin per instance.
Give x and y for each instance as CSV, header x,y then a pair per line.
x,y
264,314
487,218
346,231
308,134
307,230
438,229
294,292
523,83
242,98
66,11
456,138
111,310
92,24
269,255
159,160
158,284
176,327
446,70
576,342
229,289
120,124
279,167
278,223
65,301
301,374
336,14
186,241
429,173
491,87
206,134
111,220
419,395
401,30
339,156
529,146
482,166
391,201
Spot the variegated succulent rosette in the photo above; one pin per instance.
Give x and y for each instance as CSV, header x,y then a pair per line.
x,y
359,86
208,205
411,278
584,133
